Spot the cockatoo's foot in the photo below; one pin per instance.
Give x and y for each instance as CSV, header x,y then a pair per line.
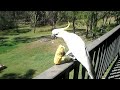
x,y
71,56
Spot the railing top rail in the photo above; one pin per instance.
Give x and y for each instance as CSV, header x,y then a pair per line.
x,y
98,41
54,71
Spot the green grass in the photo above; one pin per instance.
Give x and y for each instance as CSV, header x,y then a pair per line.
x,y
109,68
4,49
26,59
36,55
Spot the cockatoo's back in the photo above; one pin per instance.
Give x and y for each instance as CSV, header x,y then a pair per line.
x,y
78,48
73,41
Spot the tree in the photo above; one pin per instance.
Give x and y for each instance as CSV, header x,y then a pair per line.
x,y
6,20
117,17
74,17
65,16
85,17
52,17
34,17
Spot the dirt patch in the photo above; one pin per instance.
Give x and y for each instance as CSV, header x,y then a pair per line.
x,y
45,38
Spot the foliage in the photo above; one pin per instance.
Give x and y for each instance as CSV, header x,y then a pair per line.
x,y
23,57
6,20
89,19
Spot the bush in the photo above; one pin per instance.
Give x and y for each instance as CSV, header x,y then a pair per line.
x,y
6,23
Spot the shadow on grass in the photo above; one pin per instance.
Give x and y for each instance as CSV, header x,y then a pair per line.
x,y
15,31
28,39
7,45
5,42
29,75
25,39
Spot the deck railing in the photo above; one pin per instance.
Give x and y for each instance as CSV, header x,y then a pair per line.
x,y
103,52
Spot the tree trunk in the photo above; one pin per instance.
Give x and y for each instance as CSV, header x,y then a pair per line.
x,y
54,24
91,21
34,28
74,25
91,25
110,21
35,21
103,21
95,19
87,31
106,20
15,20
117,20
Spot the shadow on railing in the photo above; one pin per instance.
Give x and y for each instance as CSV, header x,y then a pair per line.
x,y
103,52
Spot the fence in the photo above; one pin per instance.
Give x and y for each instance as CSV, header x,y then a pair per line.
x,y
103,52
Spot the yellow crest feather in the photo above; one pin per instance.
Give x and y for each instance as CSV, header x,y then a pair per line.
x,y
67,26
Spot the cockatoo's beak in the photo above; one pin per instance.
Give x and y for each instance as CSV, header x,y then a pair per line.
x,y
53,36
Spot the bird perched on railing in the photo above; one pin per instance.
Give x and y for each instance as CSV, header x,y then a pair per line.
x,y
76,46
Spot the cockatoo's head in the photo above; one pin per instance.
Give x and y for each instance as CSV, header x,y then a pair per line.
x,y
59,32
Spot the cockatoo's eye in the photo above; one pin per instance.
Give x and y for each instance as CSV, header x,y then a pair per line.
x,y
56,34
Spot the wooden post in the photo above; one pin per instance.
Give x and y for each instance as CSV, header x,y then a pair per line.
x,y
76,70
66,76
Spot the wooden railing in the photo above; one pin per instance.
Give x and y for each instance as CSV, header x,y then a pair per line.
x,y
60,71
102,51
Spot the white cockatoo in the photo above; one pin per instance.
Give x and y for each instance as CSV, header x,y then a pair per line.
x,y
76,46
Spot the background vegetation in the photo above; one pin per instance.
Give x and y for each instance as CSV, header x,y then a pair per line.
x,y
25,44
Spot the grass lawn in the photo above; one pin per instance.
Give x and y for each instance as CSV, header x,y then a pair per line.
x,y
26,54
36,56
